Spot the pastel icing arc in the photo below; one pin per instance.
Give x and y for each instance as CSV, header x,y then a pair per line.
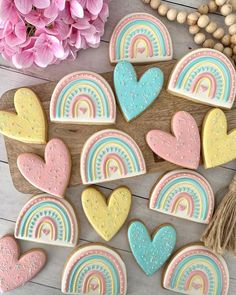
x,y
206,76
185,194
83,98
110,154
195,270
49,220
94,268
140,37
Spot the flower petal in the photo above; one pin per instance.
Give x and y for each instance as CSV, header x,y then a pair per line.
x,y
94,6
24,59
24,6
41,3
76,9
43,56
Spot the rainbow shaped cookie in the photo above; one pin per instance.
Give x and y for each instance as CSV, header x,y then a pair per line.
x,y
48,220
140,38
196,270
108,155
83,98
205,76
185,194
94,269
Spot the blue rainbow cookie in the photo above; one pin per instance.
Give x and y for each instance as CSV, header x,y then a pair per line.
x,y
83,98
196,270
206,76
48,220
108,155
183,193
94,269
140,38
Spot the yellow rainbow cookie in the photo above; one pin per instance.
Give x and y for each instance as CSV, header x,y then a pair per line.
x,y
106,216
219,147
28,124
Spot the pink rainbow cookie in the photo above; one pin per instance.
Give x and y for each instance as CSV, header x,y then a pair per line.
x,y
17,270
51,176
83,98
196,270
140,38
183,193
183,148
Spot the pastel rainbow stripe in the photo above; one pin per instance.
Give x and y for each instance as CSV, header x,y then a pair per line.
x,y
83,98
110,154
183,193
140,38
197,270
206,76
49,220
94,269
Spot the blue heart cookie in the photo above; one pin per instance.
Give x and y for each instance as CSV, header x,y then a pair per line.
x,y
151,254
136,96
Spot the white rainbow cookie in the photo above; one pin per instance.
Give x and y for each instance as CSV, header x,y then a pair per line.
x,y
140,38
48,220
206,76
94,269
183,193
196,270
108,155
83,98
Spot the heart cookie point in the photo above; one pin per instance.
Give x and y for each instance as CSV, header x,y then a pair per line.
x,y
106,216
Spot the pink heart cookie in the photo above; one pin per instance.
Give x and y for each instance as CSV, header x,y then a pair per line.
x,y
183,148
15,271
51,176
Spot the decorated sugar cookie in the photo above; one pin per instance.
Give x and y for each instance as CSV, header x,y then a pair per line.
x,y
183,193
140,38
134,96
94,269
206,76
83,98
106,217
29,123
49,220
183,148
108,155
51,176
219,147
196,270
17,270
151,252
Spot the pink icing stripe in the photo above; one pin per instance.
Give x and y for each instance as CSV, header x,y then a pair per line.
x,y
87,99
148,42
101,279
202,275
186,197
112,156
42,220
211,78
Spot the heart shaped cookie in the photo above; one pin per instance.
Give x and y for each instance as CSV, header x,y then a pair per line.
x,y
151,252
15,270
51,176
136,96
183,148
106,217
29,123
218,146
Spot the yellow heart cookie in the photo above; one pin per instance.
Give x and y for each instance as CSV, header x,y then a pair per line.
x,y
29,123
218,146
106,217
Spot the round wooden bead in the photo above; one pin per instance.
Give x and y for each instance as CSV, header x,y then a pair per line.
x,y
172,14
228,51
203,9
219,47
226,40
219,33
226,9
233,3
199,38
211,27
193,18
181,17
203,21
163,9
193,30
220,2
232,29
234,50
212,6
208,43
230,19
146,1
233,39
155,4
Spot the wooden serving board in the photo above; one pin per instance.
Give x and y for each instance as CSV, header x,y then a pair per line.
x,y
157,116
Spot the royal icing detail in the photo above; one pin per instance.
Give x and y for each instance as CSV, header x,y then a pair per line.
x,y
106,216
196,270
135,96
51,176
83,98
140,38
219,147
48,220
206,76
17,270
94,269
29,123
151,252
108,155
183,193
183,148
